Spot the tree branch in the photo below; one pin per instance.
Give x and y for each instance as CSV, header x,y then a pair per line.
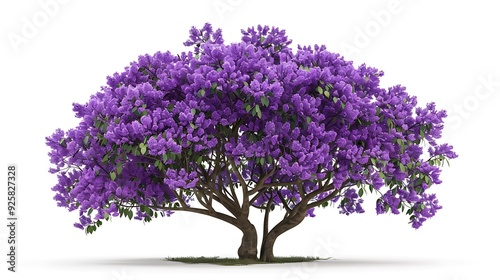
x,y
238,174
262,179
220,216
265,229
284,202
326,198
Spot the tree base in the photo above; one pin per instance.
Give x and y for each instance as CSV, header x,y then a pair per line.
x,y
237,261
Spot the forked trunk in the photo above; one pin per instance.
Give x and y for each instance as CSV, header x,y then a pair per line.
x,y
248,247
266,251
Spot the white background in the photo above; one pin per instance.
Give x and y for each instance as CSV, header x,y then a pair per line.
x,y
445,52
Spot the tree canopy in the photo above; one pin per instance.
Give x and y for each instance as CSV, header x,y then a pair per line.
x,y
252,124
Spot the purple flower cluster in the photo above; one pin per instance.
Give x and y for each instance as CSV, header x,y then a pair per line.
x,y
306,126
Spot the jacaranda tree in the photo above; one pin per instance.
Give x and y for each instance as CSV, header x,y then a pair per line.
x,y
243,126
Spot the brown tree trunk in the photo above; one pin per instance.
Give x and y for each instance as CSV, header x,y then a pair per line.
x,y
266,252
248,247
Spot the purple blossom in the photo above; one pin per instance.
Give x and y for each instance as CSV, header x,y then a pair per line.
x,y
351,203
444,149
301,127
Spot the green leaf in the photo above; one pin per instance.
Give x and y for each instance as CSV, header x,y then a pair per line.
x,y
112,175
269,159
374,161
105,158
262,161
199,160
402,167
86,140
335,99
422,131
308,120
319,89
400,142
422,206
327,93
193,126
90,211
427,179
257,110
360,192
324,204
119,168
89,229
390,124
248,107
98,124
143,149
264,101
62,142
193,111
387,207
201,93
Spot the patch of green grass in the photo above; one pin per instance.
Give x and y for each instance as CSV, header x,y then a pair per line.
x,y
236,261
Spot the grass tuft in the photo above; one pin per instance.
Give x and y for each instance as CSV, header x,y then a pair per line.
x,y
236,261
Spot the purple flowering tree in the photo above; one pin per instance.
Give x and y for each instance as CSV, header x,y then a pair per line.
x,y
244,126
